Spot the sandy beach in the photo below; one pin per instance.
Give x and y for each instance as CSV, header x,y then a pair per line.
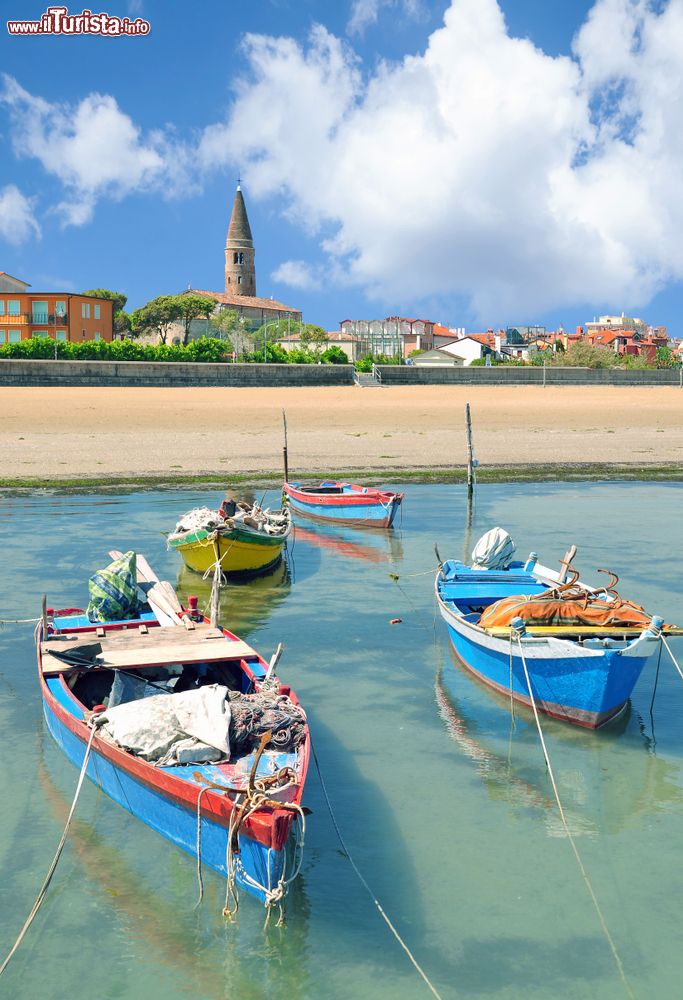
x,y
61,433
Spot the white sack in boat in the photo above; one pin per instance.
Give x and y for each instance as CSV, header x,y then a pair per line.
x,y
190,727
494,550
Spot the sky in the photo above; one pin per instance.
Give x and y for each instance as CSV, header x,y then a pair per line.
x,y
479,163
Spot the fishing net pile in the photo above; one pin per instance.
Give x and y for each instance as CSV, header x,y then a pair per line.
x,y
232,514
252,715
567,605
203,725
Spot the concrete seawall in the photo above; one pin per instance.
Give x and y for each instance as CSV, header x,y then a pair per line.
x,y
153,374
531,375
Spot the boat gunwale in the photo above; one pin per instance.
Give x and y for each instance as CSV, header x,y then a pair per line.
x,y
268,826
573,645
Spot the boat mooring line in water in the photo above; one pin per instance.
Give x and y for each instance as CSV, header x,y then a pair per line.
x,y
430,986
48,878
518,629
668,649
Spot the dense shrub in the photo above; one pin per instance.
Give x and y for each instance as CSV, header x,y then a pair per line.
x,y
365,363
334,356
43,348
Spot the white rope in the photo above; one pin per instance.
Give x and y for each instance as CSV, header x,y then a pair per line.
x,y
584,873
668,649
48,878
423,975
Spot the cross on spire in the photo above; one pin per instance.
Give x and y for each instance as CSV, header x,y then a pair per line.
x,y
239,182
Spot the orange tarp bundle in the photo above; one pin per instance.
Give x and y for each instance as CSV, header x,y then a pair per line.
x,y
573,608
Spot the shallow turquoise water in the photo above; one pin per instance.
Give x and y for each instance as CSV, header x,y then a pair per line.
x,y
445,807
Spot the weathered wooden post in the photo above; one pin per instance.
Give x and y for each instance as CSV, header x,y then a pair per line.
x,y
471,463
284,449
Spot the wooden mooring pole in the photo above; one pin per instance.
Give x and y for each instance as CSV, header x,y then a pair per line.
x,y
284,449
471,463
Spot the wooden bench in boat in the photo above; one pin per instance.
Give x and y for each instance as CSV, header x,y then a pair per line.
x,y
144,647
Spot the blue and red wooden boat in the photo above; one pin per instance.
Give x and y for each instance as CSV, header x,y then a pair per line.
x,y
344,503
576,651
249,805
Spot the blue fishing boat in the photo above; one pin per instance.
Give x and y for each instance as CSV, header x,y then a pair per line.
x,y
344,503
543,636
165,704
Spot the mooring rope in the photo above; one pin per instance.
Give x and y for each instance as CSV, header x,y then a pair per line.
x,y
668,649
48,878
584,873
430,986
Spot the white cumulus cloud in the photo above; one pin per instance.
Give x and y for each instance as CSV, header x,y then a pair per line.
x,y
366,12
481,167
93,148
17,221
297,274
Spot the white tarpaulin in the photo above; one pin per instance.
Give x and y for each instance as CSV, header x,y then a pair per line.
x,y
190,727
494,550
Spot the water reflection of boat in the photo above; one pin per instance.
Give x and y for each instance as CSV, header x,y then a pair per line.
x,y
606,780
152,918
374,548
244,606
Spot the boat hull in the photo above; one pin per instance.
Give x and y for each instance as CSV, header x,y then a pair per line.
x,y
258,863
369,509
586,687
240,552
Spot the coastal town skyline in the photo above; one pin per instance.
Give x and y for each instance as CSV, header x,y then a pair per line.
x,y
367,200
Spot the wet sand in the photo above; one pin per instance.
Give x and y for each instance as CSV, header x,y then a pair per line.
x,y
61,433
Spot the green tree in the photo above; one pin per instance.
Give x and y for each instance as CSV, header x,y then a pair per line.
x,y
123,324
118,299
277,329
193,307
334,356
157,316
121,319
313,338
666,358
583,355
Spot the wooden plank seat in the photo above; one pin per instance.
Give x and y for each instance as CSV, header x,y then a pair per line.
x,y
135,648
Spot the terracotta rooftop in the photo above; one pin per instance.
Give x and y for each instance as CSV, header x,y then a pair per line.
x,y
226,299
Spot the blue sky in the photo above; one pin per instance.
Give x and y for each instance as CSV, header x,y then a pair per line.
x,y
478,163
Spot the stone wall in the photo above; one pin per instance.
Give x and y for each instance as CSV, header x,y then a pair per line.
x,y
528,375
168,374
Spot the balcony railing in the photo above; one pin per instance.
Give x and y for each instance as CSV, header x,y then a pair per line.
x,y
12,320
48,319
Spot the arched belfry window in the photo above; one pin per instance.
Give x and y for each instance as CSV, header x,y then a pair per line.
x,y
241,258
235,258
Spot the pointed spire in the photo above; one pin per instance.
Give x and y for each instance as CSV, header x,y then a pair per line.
x,y
239,230
240,270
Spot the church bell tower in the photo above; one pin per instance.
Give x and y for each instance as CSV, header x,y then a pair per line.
x,y
240,271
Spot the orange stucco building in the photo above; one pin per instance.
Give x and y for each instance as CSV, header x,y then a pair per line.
x,y
58,315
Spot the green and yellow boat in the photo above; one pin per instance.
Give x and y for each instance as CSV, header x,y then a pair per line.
x,y
245,538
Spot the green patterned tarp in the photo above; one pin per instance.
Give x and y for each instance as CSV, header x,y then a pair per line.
x,y
113,591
